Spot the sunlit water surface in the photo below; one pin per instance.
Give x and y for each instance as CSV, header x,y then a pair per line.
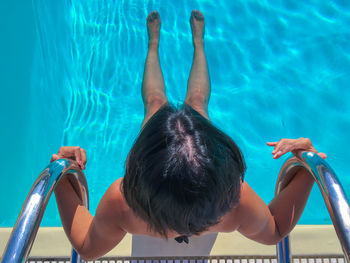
x,y
279,69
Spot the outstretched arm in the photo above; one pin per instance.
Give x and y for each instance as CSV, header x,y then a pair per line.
x,y
269,224
91,236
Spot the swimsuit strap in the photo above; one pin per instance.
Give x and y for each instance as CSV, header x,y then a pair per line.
x,y
181,239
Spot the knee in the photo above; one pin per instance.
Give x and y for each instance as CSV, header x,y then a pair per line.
x,y
155,99
154,102
197,100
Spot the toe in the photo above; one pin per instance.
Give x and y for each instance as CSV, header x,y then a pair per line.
x,y
197,14
152,16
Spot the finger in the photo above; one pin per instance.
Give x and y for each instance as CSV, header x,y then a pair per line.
x,y
67,151
277,147
83,157
277,155
54,157
322,155
283,146
281,151
77,155
271,143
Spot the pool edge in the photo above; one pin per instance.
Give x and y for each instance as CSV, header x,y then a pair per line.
x,y
305,240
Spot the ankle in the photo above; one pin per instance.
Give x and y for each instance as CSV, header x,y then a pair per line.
x,y
153,43
198,43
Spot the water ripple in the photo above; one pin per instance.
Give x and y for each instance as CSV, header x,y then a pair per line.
x,y
278,69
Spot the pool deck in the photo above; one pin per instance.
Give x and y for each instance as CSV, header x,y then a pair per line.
x,y
305,240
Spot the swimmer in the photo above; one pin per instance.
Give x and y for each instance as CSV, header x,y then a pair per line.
x,y
183,175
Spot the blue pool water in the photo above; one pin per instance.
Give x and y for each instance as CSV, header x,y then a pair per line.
x,y
279,69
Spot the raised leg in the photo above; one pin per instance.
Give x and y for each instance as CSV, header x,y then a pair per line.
x,y
153,87
198,87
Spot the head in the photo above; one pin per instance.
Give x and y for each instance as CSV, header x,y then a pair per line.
x,y
182,173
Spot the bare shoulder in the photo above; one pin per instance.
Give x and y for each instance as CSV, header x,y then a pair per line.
x,y
255,219
245,214
250,202
231,221
122,213
111,209
116,200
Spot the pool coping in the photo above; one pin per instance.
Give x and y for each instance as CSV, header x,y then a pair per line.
x,y
305,240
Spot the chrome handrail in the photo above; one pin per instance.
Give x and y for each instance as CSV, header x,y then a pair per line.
x,y
29,219
332,192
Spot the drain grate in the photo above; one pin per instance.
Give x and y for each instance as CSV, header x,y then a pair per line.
x,y
208,259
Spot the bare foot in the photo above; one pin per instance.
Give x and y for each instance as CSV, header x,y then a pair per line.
x,y
197,26
153,27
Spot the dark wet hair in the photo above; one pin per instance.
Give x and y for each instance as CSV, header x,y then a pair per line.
x,y
182,173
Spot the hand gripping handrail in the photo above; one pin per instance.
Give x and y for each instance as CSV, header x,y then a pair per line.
x,y
332,192
29,219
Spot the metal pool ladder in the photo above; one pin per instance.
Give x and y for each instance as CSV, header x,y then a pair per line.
x,y
29,219
333,195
